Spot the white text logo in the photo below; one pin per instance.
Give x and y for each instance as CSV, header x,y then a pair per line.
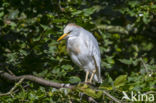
x,y
138,96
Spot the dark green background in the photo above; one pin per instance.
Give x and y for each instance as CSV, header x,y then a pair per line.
x,y
125,30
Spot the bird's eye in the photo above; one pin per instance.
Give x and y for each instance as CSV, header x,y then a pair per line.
x,y
69,31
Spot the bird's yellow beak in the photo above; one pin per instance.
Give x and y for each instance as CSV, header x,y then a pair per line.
x,y
64,35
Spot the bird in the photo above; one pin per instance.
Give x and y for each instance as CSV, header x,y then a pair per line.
x,y
83,50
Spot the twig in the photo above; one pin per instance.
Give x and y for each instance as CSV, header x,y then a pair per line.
x,y
61,8
25,86
10,71
90,99
13,88
146,69
112,97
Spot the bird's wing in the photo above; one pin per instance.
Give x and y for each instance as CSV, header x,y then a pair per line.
x,y
94,51
97,60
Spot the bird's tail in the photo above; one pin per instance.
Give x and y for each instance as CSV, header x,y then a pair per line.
x,y
97,78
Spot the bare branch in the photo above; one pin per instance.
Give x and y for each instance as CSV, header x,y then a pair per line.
x,y
35,79
91,100
10,71
44,82
111,97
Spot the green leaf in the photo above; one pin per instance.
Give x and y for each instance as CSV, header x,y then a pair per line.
x,y
77,12
88,91
126,61
120,81
67,67
45,27
74,79
1,14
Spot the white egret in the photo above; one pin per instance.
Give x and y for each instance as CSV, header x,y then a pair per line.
x,y
84,51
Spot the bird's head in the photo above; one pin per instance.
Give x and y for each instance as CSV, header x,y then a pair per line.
x,y
70,30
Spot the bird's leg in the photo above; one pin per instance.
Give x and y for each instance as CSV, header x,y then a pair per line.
x,y
91,78
86,79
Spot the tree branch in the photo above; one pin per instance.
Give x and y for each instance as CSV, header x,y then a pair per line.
x,y
44,82
35,79
13,88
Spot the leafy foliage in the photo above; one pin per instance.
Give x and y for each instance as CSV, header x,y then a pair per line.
x,y
125,31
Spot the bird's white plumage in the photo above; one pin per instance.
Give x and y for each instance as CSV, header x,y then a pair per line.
x,y
83,49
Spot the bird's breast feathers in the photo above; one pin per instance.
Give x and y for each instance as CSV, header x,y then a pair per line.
x,y
73,46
